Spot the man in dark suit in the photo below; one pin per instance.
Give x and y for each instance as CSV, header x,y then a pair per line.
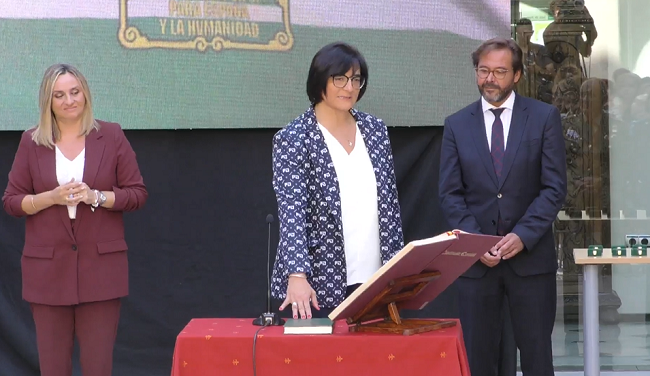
x,y
503,172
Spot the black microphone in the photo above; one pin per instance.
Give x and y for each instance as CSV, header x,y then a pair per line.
x,y
268,318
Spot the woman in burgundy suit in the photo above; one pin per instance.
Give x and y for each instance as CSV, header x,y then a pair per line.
x,y
73,177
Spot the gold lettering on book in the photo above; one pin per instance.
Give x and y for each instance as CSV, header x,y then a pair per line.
x,y
463,254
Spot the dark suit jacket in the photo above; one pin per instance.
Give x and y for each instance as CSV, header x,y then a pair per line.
x,y
533,184
62,265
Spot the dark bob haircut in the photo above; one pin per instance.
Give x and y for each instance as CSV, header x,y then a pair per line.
x,y
500,44
332,60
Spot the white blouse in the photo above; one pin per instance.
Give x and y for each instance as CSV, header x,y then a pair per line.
x,y
359,211
67,169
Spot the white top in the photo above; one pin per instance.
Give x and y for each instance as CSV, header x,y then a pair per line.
x,y
359,212
67,169
506,118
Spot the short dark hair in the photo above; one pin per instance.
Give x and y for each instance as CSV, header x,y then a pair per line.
x,y
334,59
500,44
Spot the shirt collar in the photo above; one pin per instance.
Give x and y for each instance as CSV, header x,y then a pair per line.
x,y
509,103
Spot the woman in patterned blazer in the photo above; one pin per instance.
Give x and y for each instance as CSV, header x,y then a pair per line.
x,y
335,185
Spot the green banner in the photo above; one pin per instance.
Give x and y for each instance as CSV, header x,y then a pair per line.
x,y
155,64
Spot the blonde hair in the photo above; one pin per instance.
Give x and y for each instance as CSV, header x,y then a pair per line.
x,y
47,132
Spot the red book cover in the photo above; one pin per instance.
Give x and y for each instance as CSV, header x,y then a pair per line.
x,y
451,253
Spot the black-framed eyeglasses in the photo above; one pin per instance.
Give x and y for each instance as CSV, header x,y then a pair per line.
x,y
498,73
340,80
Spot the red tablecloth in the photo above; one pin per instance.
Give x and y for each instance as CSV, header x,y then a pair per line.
x,y
225,347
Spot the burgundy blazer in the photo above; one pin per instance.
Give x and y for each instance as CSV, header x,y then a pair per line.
x,y
66,265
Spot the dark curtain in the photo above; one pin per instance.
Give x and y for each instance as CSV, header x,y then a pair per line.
x,y
198,248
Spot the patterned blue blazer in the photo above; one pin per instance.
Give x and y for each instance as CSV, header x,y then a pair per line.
x,y
309,205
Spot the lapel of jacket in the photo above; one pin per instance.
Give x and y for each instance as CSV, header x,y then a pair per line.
x,y
94,153
517,127
477,128
47,168
323,166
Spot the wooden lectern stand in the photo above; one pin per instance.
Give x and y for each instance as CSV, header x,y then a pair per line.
x,y
410,280
386,306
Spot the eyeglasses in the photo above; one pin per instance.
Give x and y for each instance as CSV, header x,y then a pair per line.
x,y
498,73
341,81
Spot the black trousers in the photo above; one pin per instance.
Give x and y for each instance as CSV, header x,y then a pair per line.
x,y
531,302
507,347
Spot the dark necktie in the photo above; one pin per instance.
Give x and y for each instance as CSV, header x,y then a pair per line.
x,y
497,151
498,144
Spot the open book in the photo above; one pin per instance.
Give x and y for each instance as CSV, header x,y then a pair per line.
x,y
450,253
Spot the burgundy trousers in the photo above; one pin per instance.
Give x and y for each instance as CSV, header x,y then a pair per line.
x,y
95,326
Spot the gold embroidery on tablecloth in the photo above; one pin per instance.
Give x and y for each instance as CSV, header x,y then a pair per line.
x,y
443,354
339,359
235,362
208,337
287,360
391,357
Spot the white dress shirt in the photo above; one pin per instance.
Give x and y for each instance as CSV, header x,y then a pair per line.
x,y
359,212
506,118
67,169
